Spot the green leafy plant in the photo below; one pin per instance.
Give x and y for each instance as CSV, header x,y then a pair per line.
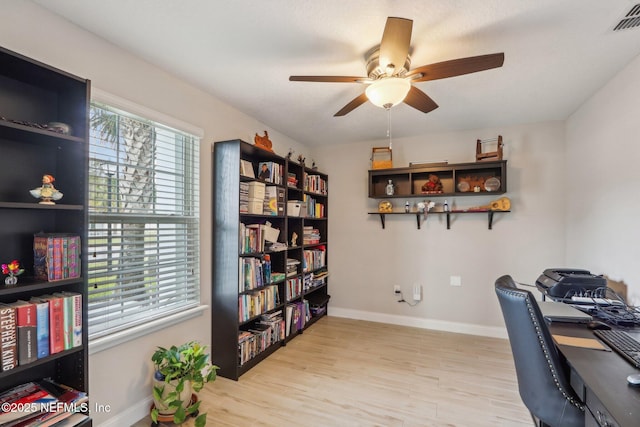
x,y
176,367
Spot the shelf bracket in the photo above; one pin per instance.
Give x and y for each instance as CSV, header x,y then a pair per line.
x,y
490,219
382,220
418,220
448,221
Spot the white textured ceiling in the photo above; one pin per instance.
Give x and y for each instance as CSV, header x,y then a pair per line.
x,y
557,54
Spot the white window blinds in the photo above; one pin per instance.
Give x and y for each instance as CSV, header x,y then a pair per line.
x,y
143,221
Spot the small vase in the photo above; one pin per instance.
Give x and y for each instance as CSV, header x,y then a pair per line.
x,y
11,280
389,190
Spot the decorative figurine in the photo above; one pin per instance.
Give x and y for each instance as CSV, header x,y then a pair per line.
x,y
13,270
433,185
301,159
294,239
263,141
47,192
290,153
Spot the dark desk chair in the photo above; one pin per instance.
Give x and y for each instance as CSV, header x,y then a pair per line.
x,y
542,380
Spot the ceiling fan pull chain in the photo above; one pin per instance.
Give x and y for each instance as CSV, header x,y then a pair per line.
x,y
389,126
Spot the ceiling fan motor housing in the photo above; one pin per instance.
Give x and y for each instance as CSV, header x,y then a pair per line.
x,y
375,71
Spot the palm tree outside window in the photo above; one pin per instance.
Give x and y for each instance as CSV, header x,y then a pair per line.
x,y
143,221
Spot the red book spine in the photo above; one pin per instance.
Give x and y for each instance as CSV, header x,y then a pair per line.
x,y
26,332
56,324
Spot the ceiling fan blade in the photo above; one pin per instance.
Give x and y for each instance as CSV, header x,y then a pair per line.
x,y
328,79
355,103
394,46
420,100
457,67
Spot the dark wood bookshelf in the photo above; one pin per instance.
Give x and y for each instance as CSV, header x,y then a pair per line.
x,y
33,94
225,324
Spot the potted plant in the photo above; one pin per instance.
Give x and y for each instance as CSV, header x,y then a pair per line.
x,y
180,371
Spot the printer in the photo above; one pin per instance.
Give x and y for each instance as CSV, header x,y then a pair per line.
x,y
567,282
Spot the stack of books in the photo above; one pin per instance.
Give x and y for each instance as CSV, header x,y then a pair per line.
x,y
292,267
56,256
314,258
316,279
43,403
315,184
310,235
244,197
293,288
292,180
267,331
37,328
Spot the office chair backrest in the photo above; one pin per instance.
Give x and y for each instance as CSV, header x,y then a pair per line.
x,y
542,381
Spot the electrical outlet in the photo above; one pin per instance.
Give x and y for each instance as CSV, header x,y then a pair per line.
x,y
455,281
396,289
417,292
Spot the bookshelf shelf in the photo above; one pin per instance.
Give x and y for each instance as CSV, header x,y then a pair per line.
x,y
229,292
43,361
33,94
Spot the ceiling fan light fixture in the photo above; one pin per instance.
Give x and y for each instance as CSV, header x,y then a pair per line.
x,y
388,92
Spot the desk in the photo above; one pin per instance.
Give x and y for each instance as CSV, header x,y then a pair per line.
x,y
599,379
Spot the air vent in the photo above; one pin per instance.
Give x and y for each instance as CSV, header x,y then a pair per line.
x,y
631,19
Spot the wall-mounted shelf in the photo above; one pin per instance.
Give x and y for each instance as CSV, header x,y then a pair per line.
x,y
421,217
457,179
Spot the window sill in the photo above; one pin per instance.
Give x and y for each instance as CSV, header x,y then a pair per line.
x,y
104,343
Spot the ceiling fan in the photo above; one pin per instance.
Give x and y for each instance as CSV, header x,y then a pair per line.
x,y
390,79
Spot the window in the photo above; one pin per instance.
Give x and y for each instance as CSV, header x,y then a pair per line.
x,y
143,221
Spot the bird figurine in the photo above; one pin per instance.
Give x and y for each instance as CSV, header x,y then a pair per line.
x,y
47,192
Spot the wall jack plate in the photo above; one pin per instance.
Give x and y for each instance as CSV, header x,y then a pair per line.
x,y
417,292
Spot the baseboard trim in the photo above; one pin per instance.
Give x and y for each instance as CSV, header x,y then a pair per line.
x,y
417,322
129,416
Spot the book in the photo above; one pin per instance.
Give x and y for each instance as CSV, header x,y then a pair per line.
x,y
8,338
72,303
24,400
73,259
59,402
265,171
26,331
42,326
73,420
56,256
246,169
56,323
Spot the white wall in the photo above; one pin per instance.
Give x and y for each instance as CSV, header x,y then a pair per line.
x,y
603,181
365,261
120,376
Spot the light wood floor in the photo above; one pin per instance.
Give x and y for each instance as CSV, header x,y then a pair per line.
x,y
344,372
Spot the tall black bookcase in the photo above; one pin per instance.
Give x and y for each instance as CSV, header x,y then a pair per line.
x,y
33,94
301,219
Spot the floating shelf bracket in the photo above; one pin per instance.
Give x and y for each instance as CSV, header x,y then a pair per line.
x,y
383,216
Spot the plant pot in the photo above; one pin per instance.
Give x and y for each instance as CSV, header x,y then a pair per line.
x,y
170,387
